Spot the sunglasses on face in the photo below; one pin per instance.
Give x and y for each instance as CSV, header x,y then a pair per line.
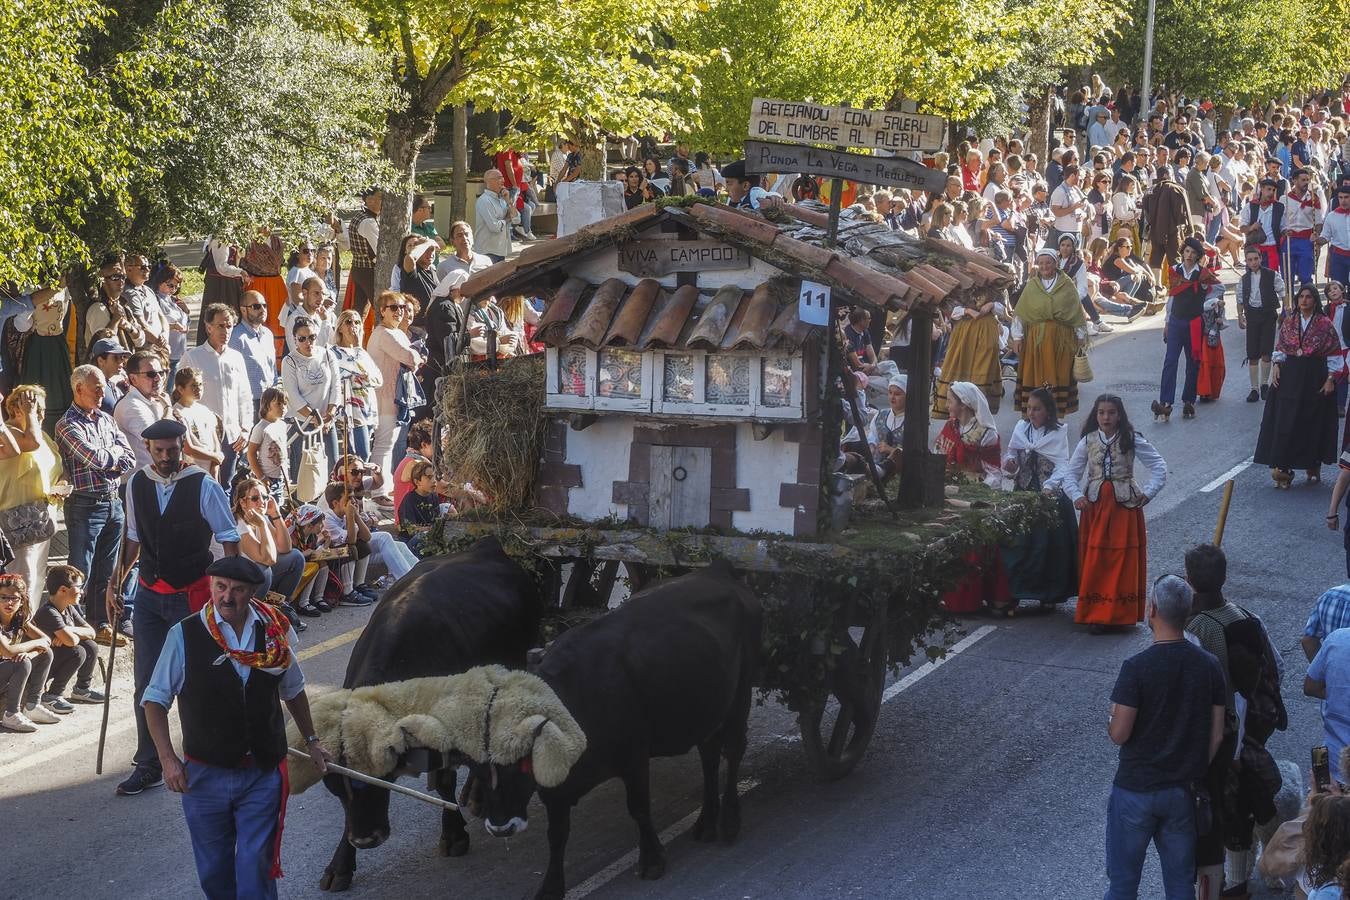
x,y
114,278
305,339
254,497
10,598
153,375
256,306
397,307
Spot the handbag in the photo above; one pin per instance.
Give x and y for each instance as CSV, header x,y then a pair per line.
x,y
1082,367
27,523
312,477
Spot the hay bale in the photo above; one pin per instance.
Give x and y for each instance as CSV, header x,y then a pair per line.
x,y
492,428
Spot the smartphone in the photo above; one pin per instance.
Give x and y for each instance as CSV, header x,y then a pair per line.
x,y
1321,770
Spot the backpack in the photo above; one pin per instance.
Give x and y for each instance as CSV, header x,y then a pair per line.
x,y
1254,673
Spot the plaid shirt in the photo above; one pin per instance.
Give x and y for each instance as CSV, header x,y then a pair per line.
x,y
1331,611
93,449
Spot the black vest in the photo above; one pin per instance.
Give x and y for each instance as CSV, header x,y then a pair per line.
x,y
1276,216
224,719
175,545
1265,290
1189,303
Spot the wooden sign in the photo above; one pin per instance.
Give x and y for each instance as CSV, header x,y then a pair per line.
x,y
762,158
878,129
654,258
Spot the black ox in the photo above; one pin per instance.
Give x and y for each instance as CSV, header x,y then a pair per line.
x,y
447,615
670,670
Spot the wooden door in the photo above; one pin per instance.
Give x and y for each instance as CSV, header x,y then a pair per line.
x,y
681,487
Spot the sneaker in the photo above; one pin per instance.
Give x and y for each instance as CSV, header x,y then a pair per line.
x,y
58,704
355,599
140,780
104,636
41,715
367,590
18,722
87,695
1103,328
1253,396
1135,312
1093,327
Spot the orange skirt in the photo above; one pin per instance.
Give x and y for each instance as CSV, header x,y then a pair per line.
x,y
275,294
1113,558
349,302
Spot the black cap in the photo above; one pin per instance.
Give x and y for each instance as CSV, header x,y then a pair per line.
x,y
1269,182
164,430
237,568
735,170
1194,244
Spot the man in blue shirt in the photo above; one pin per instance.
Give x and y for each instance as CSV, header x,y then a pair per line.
x,y
1328,679
173,510
256,343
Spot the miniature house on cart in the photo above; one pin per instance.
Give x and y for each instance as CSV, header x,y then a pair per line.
x,y
684,390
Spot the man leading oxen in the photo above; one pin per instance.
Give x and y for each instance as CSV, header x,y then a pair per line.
x,y
447,615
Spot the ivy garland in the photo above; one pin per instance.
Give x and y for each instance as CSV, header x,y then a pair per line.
x,y
908,564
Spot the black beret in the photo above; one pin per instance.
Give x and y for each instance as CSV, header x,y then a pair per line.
x,y
237,568
164,430
735,170
1194,244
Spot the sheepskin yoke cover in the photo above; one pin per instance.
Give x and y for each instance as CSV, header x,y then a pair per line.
x,y
369,728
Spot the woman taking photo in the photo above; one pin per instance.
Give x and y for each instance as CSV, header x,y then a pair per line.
x,y
1043,565
360,371
1049,326
309,376
30,479
393,354
1112,542
265,538
1299,423
969,440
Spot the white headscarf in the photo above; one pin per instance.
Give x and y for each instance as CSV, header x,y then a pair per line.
x,y
1053,445
971,396
899,381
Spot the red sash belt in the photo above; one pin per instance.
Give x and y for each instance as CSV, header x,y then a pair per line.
x,y
1302,233
198,592
1338,251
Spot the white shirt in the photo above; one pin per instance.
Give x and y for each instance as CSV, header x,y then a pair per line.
x,y
1070,478
220,257
492,225
323,327
1263,216
1336,228
134,413
174,315
1067,195
1115,128
1124,207
477,262
1298,217
225,387
368,229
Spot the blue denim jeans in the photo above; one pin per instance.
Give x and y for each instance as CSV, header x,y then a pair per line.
x,y
1178,342
232,818
284,577
1165,817
154,615
94,525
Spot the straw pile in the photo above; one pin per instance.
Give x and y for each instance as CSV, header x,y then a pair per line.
x,y
492,428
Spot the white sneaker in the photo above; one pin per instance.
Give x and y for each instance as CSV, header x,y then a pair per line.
x,y
1092,328
18,722
1104,328
41,715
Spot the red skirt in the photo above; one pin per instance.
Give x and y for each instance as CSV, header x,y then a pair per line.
x,y
1113,563
986,583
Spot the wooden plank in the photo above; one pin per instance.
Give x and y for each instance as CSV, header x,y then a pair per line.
x,y
691,486
763,158
659,492
877,129
655,258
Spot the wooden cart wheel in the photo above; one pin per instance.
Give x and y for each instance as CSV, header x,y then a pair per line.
x,y
837,730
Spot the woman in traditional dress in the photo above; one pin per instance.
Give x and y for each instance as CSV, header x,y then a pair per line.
x,y
262,262
46,358
1206,338
1049,326
1112,542
972,353
1042,565
1336,301
1298,427
970,442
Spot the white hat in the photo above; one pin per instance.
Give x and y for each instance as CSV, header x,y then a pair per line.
x,y
453,279
899,381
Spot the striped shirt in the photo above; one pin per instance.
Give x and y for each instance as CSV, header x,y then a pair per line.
x,y
94,450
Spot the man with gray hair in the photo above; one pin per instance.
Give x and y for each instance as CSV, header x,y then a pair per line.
x,y
494,214
1167,716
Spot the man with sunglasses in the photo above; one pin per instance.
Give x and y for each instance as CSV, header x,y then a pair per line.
x,y
143,305
256,344
144,402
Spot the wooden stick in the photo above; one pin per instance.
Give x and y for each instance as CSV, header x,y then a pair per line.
x,y
112,652
379,782
1223,512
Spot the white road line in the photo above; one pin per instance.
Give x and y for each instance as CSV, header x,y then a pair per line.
x,y
626,862
1222,479
928,668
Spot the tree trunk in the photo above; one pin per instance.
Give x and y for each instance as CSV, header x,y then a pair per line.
x,y
1038,124
459,162
594,152
402,144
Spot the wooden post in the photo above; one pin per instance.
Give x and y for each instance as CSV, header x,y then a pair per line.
x,y
913,466
836,196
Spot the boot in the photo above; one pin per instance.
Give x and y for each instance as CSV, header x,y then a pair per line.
x,y
1282,478
1187,410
